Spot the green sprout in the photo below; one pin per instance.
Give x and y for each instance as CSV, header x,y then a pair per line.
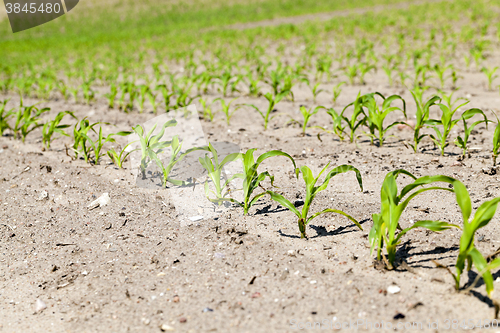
x,y
273,100
175,157
119,158
447,123
468,252
27,120
377,114
252,178
422,115
4,116
490,75
386,223
215,174
54,126
355,120
80,131
307,114
151,144
226,107
311,191
337,90
462,142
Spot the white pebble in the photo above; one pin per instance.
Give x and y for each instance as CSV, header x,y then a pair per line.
x,y
40,305
393,289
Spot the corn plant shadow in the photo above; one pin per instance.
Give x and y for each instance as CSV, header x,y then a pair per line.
x,y
267,210
472,276
322,232
404,254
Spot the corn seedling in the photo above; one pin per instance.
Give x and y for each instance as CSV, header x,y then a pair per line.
x,y
225,108
311,191
4,116
54,126
352,71
422,115
306,115
462,142
88,93
119,158
80,131
358,117
166,95
468,252
337,90
227,81
146,93
175,157
27,120
386,223
364,68
99,143
377,114
252,178
253,84
111,96
273,100
216,174
151,144
447,123
496,142
490,75
314,89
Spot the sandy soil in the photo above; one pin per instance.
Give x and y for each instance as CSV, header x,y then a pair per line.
x,y
131,267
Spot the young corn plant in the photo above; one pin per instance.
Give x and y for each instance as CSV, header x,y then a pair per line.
x,y
447,123
216,175
337,90
167,95
422,115
364,68
314,89
307,114
386,223
208,113
468,252
99,143
496,143
358,117
490,75
252,178
273,100
27,120
4,116
151,144
462,142
226,108
119,158
111,96
80,131
175,157
338,129
54,126
311,191
377,114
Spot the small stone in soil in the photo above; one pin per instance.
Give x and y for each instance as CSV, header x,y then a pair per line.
x,y
393,289
166,328
40,305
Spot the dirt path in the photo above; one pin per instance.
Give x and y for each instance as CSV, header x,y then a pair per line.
x,y
325,16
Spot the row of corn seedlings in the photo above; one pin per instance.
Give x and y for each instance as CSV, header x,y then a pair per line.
x,y
386,233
